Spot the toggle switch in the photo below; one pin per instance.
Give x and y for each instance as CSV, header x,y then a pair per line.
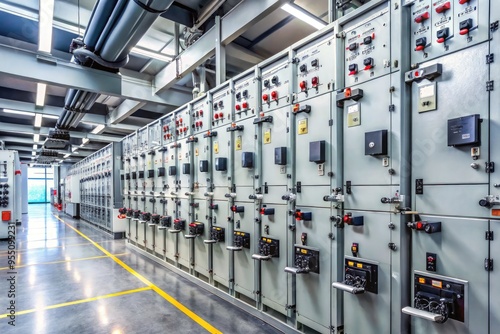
x,y
465,27
315,82
442,35
267,211
443,8
367,40
463,1
348,219
420,44
304,216
275,80
368,63
352,47
303,68
422,18
236,208
353,69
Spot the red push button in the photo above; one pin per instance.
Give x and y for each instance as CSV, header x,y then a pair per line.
x,y
245,105
221,115
201,112
265,97
315,81
6,215
237,107
180,120
420,48
443,8
216,116
303,85
463,1
464,32
185,129
422,18
274,95
441,40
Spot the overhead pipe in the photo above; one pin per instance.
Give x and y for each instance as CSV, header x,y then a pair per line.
x,y
115,27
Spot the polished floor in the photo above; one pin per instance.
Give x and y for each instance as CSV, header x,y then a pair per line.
x,y
71,279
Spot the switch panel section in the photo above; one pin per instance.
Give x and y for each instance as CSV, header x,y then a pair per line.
x,y
367,54
196,228
439,27
245,100
218,234
221,107
444,296
269,247
360,275
168,129
306,260
275,85
182,123
376,142
242,239
315,68
200,116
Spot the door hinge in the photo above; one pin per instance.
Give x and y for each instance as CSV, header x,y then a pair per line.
x,y
392,108
299,187
490,58
489,235
494,26
490,167
490,86
488,264
330,122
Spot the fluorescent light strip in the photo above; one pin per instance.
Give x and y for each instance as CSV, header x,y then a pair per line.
x,y
35,147
66,155
41,89
303,15
152,54
33,153
38,120
85,141
50,116
36,138
98,129
18,112
45,21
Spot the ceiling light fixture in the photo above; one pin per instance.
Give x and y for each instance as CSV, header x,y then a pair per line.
x,y
85,141
74,148
35,147
18,112
152,54
36,138
66,155
41,89
38,120
98,129
33,153
50,116
46,18
304,15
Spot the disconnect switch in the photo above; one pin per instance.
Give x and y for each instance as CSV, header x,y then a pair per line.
x,y
317,151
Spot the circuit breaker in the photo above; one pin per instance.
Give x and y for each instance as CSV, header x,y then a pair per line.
x,y
306,261
360,276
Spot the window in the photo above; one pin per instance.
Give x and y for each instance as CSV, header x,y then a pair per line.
x,y
40,180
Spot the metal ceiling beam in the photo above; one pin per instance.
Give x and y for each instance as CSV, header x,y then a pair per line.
x,y
128,84
56,111
28,129
239,52
125,109
234,23
8,139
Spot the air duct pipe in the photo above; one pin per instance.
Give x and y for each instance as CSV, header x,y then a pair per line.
x,y
115,27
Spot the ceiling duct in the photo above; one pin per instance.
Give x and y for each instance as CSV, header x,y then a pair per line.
x,y
58,140
114,28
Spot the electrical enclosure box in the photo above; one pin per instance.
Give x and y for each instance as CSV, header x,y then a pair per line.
x,y
141,174
376,142
221,164
280,156
204,166
464,131
172,170
362,273
161,171
317,151
151,173
134,175
186,169
247,159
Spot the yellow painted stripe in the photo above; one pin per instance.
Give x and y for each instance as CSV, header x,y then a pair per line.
x,y
76,302
50,247
62,261
170,299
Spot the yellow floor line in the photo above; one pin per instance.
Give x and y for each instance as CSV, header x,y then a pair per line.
x,y
156,289
81,301
62,261
50,247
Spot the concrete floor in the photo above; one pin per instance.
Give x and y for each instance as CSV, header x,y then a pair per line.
x,y
66,284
